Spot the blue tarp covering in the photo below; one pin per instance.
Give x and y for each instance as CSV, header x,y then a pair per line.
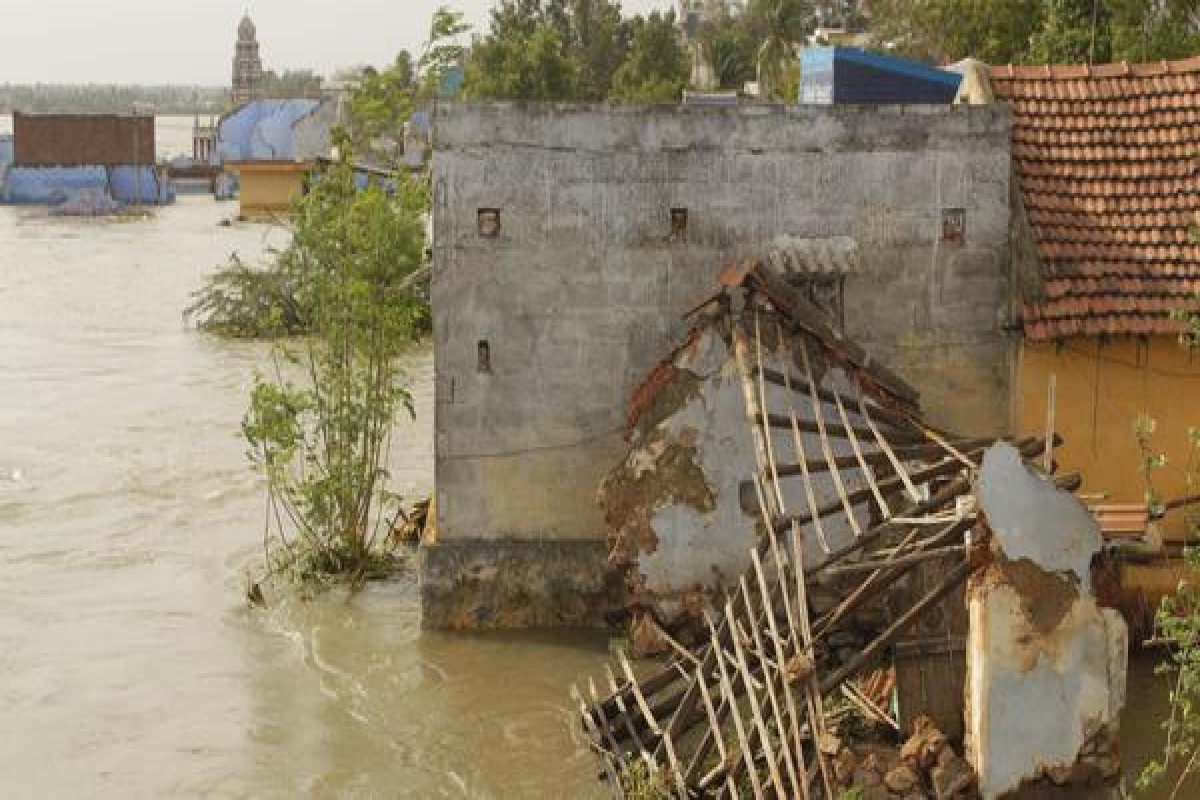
x,y
261,130
850,75
53,185
50,185
123,183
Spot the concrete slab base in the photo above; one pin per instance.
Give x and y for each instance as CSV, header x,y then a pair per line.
x,y
482,584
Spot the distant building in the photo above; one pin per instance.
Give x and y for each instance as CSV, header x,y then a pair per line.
x,y
272,146
57,156
277,130
247,64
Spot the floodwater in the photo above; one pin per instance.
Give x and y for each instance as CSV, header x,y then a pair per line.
x,y
130,666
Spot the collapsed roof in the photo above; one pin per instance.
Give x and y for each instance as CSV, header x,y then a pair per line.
x,y
848,481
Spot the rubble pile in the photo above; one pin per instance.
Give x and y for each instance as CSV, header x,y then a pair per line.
x,y
925,766
785,521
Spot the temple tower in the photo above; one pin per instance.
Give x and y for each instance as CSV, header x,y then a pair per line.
x,y
247,65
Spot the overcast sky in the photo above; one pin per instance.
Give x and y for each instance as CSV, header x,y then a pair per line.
x,y
191,41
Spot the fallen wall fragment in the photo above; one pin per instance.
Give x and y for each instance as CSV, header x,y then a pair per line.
x,y
1046,664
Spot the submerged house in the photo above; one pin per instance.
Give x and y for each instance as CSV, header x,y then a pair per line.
x,y
1108,200
58,156
272,146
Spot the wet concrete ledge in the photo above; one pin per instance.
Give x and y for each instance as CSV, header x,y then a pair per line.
x,y
491,584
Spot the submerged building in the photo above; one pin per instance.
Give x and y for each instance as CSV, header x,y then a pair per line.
x,y
56,156
272,146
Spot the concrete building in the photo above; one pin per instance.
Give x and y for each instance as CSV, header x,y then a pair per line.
x,y
247,64
570,240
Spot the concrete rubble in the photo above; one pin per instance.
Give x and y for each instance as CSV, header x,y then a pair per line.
x,y
777,485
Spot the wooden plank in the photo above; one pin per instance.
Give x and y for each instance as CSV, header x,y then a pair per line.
x,y
731,703
819,415
953,579
764,736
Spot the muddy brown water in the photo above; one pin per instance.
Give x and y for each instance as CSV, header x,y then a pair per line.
x,y
129,665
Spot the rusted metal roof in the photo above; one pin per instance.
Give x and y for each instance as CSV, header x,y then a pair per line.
x,y
1105,158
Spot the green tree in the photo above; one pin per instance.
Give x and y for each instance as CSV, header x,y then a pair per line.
x,y
320,427
779,27
729,47
657,67
599,40
996,31
1178,618
382,101
523,57
1037,31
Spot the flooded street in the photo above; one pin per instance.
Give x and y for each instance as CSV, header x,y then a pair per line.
x,y
129,664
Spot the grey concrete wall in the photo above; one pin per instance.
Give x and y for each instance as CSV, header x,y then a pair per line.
x,y
582,290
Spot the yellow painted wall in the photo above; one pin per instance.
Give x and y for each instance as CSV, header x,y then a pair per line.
x,y
1101,389
268,190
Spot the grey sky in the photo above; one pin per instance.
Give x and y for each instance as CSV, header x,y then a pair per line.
x,y
191,41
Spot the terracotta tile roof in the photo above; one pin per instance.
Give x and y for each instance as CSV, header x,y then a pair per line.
x,y
1107,159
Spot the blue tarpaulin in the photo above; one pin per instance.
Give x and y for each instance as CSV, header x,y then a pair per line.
x,y
52,185
261,130
124,186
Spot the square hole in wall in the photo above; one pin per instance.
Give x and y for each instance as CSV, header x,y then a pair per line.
x,y
679,221
954,225
489,222
484,356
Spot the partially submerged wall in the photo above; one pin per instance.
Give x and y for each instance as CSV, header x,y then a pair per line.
x,y
1046,664
569,240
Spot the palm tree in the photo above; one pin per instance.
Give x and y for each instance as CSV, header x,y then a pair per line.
x,y
781,25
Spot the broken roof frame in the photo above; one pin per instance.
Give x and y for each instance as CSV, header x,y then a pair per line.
x,y
742,715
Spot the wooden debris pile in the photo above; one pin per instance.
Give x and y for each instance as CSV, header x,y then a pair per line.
x,y
853,489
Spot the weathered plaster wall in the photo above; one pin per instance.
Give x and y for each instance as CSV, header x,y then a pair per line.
x,y
684,530
581,291
1046,664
